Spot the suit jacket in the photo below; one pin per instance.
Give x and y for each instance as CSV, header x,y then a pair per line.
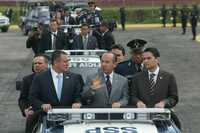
x,y
71,21
23,100
46,42
43,90
78,42
100,97
107,40
164,89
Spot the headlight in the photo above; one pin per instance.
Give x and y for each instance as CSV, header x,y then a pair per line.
x,y
129,116
89,116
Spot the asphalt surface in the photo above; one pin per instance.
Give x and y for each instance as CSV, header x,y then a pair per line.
x,y
179,55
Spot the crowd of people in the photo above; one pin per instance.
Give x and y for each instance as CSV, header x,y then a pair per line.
x,y
137,83
186,15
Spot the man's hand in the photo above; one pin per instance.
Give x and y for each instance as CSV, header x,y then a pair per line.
x,y
28,112
140,104
116,105
96,83
46,107
76,105
161,104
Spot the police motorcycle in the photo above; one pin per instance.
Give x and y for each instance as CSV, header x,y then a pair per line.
x,y
108,120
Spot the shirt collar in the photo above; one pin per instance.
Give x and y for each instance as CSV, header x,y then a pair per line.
x,y
111,76
54,73
155,72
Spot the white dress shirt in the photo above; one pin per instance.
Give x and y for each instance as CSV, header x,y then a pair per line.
x,y
110,75
155,72
52,37
55,79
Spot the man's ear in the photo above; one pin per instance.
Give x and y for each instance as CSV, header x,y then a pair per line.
x,y
158,60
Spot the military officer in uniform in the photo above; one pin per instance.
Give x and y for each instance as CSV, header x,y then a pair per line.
x,y
174,14
134,64
163,13
184,18
193,20
94,17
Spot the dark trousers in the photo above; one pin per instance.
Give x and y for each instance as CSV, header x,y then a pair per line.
x,y
123,25
174,22
194,32
184,25
30,123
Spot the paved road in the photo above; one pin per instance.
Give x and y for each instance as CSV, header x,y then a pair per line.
x,y
179,54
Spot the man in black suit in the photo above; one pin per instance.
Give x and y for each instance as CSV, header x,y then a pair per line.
x,y
84,40
40,63
56,87
53,39
154,88
107,39
66,18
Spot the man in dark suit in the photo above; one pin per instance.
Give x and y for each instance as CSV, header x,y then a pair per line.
x,y
107,39
66,18
56,87
53,39
84,40
154,88
40,63
34,38
106,88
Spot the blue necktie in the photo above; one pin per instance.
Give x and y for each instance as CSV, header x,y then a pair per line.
x,y
59,86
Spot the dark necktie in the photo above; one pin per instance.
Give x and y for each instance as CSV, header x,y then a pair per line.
x,y
152,82
54,42
108,84
139,68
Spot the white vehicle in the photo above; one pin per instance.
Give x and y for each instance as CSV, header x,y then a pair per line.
x,y
83,62
4,23
108,120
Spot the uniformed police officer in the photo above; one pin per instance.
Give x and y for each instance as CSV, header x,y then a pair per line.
x,y
122,13
184,18
174,14
134,64
163,13
94,17
194,15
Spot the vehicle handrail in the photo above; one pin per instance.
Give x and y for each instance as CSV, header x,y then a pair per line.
x,y
83,52
92,114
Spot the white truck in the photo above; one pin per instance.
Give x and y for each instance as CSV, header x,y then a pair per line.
x,y
4,23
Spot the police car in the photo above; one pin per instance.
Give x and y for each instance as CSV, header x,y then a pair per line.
x,y
108,120
4,23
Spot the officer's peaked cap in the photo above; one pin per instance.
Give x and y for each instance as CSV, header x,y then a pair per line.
x,y
137,45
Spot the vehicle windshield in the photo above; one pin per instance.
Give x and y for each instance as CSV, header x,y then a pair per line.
x,y
44,14
84,71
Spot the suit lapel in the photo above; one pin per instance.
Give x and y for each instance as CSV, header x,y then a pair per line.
x,y
159,79
114,85
66,82
52,86
104,83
